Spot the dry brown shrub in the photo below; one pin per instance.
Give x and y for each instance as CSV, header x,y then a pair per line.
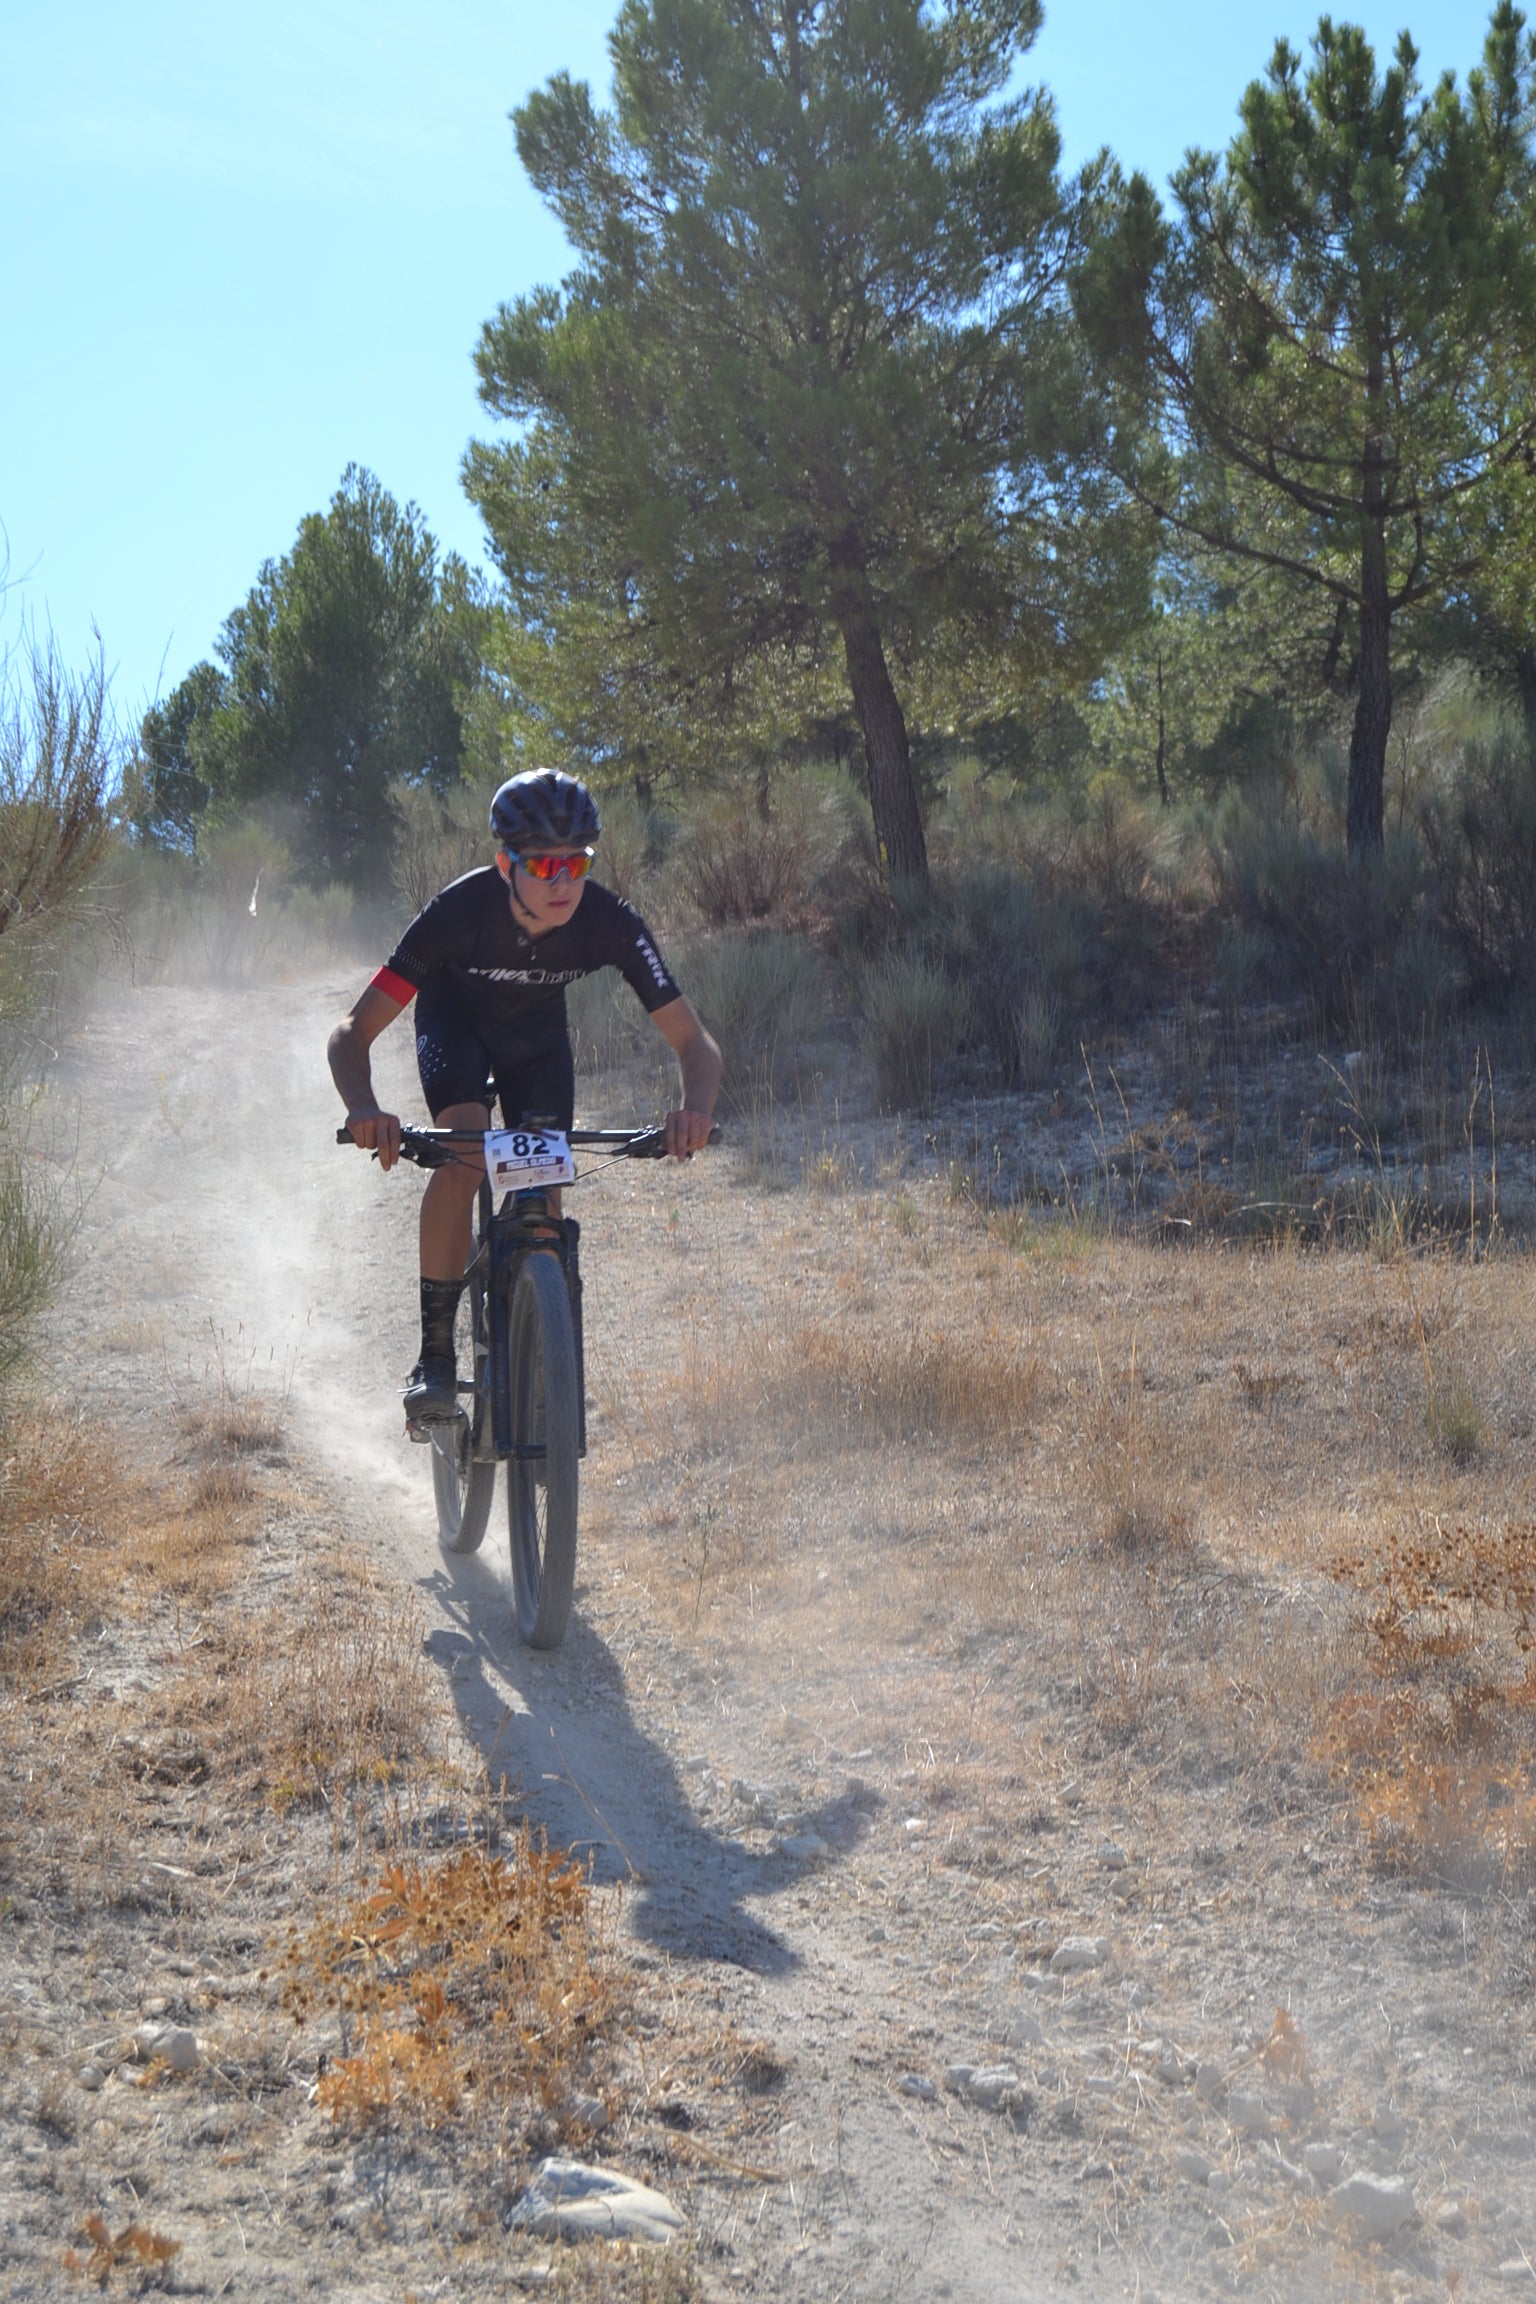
x,y
476,1977
54,1495
1436,1745
134,2245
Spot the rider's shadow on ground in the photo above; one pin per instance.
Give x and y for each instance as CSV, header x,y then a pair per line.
x,y
557,1733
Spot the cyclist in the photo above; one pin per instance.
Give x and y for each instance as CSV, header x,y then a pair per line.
x,y
487,963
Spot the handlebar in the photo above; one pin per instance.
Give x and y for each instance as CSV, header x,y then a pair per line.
x,y
434,1147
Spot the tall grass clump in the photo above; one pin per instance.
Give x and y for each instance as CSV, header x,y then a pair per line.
x,y
914,1014
761,995
1478,826
1331,926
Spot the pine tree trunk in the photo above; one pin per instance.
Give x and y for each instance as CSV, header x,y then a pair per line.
x,y
892,793
1373,705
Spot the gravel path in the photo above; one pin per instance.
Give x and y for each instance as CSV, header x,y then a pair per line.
x,y
995,2077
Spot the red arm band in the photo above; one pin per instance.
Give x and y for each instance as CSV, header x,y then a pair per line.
x,y
392,986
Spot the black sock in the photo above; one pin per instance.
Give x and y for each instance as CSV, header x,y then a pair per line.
x,y
439,1302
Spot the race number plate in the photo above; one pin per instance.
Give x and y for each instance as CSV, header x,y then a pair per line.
x,y
525,1159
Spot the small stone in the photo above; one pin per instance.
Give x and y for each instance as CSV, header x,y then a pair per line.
x,y
1024,2032
92,2075
587,2111
1323,2161
1249,2114
989,2085
1192,2164
568,2200
169,2044
917,2084
1210,2083
1112,1856
1388,2125
1452,2219
1379,2204
1218,2181
1076,1953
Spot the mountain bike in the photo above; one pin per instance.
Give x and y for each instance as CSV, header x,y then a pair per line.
x,y
520,1333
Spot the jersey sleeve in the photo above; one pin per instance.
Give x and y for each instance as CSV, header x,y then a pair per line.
x,y
638,961
421,950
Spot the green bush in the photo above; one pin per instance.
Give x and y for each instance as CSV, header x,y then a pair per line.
x,y
1330,923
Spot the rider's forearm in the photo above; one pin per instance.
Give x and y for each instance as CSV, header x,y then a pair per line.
x,y
351,1069
699,1069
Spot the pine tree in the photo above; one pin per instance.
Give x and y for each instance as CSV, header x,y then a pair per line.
x,y
1306,356
809,389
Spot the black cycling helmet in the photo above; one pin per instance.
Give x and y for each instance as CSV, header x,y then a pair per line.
x,y
544,808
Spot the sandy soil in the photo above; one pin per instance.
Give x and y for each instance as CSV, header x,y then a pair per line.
x,y
822,1825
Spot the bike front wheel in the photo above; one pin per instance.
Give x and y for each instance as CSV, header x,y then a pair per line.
x,y
462,1482
542,1470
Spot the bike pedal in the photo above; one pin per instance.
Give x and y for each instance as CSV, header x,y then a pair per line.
x,y
428,1427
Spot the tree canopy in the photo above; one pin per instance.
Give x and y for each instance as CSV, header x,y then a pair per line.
x,y
811,386
1308,356
346,669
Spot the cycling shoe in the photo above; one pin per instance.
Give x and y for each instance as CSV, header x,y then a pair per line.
x,y
432,1392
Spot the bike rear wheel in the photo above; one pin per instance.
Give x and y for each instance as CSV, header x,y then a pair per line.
x,y
542,1484
461,1483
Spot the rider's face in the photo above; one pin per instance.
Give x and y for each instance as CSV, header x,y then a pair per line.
x,y
541,904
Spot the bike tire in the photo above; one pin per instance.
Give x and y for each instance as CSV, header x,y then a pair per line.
x,y
462,1482
542,1491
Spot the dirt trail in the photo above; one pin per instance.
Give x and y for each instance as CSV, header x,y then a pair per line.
x,y
226,1230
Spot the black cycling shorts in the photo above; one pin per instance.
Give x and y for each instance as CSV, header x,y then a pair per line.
x,y
532,1072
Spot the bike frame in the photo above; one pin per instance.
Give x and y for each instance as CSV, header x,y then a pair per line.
x,y
521,1227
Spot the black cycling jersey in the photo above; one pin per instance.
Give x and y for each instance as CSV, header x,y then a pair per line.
x,y
467,957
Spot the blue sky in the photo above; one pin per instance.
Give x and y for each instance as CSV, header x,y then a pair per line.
x,y
245,247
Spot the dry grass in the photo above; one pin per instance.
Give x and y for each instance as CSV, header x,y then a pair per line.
x,y
474,1983
54,1498
1123,1473
935,1390
328,1690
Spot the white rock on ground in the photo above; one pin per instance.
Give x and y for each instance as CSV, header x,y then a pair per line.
x,y
1248,2114
1192,2164
916,2084
1323,2161
1378,2203
1076,1953
567,2200
171,2044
